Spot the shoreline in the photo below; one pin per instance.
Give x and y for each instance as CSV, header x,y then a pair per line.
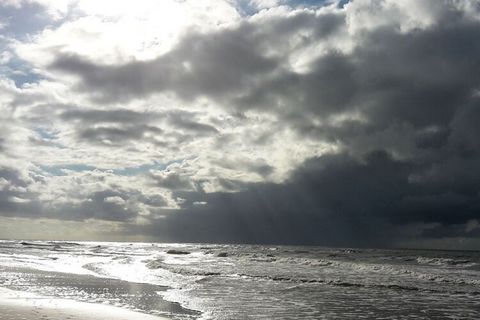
x,y
15,305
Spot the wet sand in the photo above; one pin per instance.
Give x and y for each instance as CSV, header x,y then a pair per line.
x,y
17,307
35,294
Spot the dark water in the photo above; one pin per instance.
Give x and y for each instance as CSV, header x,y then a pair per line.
x,y
250,282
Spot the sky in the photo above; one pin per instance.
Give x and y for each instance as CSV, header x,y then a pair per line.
x,y
334,123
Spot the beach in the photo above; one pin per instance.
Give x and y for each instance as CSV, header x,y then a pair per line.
x,y
92,280
21,306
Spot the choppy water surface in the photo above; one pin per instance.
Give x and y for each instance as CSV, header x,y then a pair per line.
x,y
250,282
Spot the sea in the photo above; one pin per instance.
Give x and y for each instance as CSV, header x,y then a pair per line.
x,y
210,281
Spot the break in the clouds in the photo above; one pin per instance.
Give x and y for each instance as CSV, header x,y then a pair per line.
x,y
315,122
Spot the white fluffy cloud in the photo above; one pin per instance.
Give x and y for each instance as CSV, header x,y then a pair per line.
x,y
116,31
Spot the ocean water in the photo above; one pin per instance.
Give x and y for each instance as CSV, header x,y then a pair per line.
x,y
198,281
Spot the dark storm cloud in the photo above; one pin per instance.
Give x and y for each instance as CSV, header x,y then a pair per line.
x,y
327,201
421,78
331,200
460,230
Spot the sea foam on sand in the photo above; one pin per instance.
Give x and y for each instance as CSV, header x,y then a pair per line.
x,y
19,305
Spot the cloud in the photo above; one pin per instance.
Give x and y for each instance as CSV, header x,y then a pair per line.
x,y
212,64
220,64
247,68
172,181
119,127
15,197
106,116
333,200
330,200
185,121
265,121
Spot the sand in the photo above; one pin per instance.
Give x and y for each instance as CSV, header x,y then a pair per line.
x,y
15,306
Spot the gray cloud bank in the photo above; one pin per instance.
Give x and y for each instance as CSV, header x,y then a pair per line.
x,y
335,200
401,104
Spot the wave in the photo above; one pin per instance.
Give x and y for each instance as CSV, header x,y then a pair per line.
x,y
341,283
444,261
159,264
456,285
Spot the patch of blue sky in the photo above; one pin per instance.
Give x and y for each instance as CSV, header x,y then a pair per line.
x,y
17,70
61,170
315,3
49,138
45,134
22,78
155,165
133,171
21,22
248,7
